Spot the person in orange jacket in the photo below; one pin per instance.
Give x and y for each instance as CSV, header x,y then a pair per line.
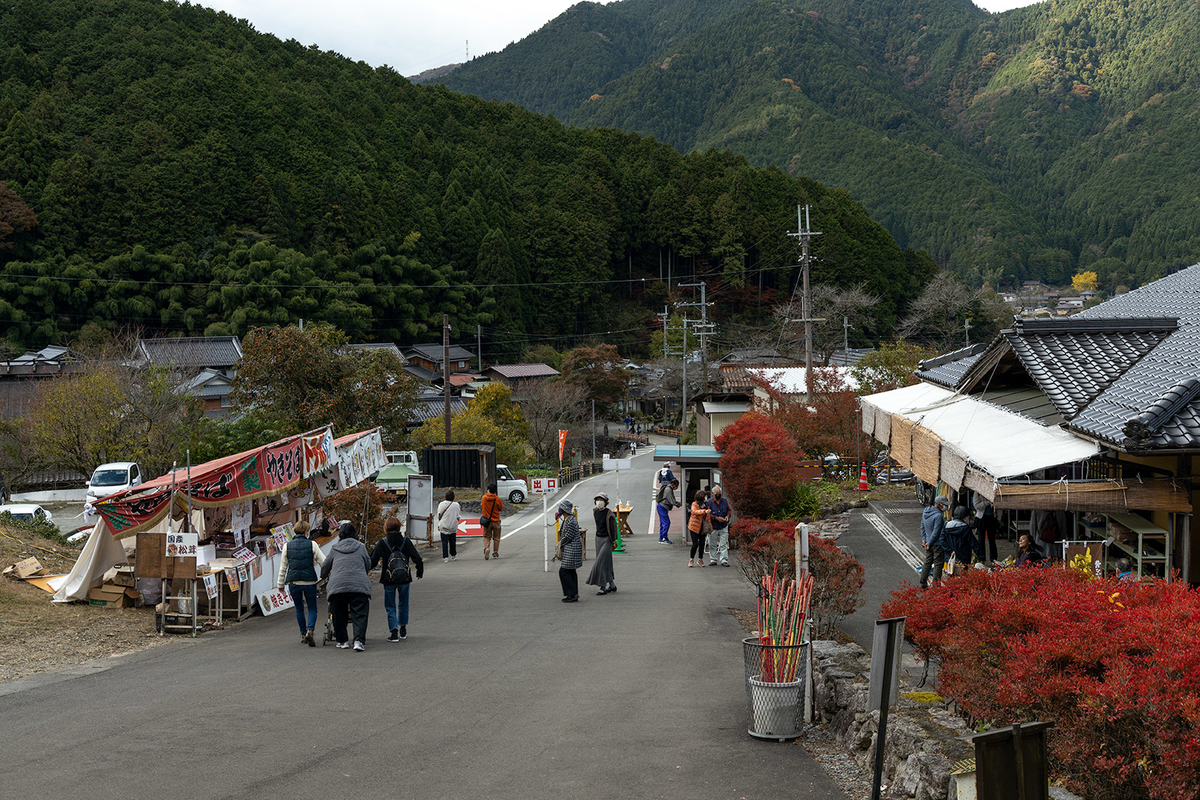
x,y
490,507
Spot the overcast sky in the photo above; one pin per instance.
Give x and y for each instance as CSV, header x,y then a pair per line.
x,y
414,35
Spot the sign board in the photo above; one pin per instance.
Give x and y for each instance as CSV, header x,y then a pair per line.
x,y
182,545
885,662
420,495
210,586
617,463
543,485
274,600
243,555
562,443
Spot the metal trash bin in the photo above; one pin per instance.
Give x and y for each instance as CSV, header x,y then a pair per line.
x,y
774,709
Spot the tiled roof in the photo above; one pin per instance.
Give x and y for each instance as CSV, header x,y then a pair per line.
x,y
1153,383
524,370
192,351
948,369
386,346
1073,360
433,352
429,407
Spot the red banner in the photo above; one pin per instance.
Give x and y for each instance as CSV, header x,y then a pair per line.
x,y
562,443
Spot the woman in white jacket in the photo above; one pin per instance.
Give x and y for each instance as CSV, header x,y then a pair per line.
x,y
448,514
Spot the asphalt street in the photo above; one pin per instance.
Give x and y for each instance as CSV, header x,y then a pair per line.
x,y
500,691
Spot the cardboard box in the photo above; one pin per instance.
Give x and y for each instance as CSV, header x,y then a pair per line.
x,y
124,577
28,567
112,596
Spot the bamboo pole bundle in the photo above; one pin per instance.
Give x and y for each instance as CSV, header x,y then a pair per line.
x,y
782,611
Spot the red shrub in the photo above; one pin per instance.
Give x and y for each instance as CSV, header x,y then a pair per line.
x,y
838,578
1115,666
758,464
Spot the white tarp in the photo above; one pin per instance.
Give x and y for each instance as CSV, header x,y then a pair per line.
x,y
102,552
998,441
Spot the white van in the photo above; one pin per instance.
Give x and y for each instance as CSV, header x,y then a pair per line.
x,y
509,487
112,478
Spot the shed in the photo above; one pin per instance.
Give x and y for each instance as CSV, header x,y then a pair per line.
x,y
462,465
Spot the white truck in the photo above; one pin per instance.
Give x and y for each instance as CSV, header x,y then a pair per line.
x,y
393,478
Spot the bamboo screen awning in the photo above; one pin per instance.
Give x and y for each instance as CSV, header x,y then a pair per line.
x,y
1109,495
934,430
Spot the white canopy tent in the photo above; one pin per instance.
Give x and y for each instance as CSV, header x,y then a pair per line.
x,y
995,440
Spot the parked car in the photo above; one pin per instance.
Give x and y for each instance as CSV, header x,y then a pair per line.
x,y
897,474
26,512
393,478
112,478
507,485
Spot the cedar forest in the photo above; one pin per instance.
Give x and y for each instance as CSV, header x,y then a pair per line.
x,y
1030,144
169,169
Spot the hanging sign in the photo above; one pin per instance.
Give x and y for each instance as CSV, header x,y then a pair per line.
x,y
361,458
274,600
243,574
231,577
182,545
318,452
243,513
210,586
243,555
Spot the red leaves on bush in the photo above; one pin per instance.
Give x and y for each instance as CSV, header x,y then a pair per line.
x,y
758,464
1115,665
838,578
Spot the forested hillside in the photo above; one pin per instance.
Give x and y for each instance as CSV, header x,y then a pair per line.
x,y
1028,144
168,167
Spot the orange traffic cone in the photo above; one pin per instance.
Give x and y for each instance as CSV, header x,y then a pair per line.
x,y
862,479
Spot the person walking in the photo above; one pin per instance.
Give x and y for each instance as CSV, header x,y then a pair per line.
x,y
606,534
349,588
665,501
298,572
572,551
397,552
698,526
718,517
448,515
490,506
933,539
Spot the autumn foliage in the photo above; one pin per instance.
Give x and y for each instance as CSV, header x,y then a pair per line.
x,y
758,464
838,578
824,422
1115,665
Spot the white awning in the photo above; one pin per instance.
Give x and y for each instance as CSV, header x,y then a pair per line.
x,y
996,440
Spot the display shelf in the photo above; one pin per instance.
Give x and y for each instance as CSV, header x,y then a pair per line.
x,y
1147,545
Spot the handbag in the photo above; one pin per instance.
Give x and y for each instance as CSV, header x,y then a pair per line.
x,y
558,550
705,527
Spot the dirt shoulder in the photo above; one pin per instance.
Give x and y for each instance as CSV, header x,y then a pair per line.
x,y
38,636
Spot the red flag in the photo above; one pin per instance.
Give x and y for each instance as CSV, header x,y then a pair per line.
x,y
562,443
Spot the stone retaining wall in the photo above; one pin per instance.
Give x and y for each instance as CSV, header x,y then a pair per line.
x,y
922,733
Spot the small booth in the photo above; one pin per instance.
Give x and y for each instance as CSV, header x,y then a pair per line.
x,y
209,537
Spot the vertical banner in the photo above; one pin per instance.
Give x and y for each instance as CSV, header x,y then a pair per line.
x,y
562,443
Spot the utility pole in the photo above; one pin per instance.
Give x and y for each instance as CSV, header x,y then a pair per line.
x,y
967,329
804,234
846,336
479,345
702,329
446,369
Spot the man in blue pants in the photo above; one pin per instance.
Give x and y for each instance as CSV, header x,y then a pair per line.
x,y
666,501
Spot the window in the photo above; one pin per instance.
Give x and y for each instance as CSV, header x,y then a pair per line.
x,y
133,473
462,365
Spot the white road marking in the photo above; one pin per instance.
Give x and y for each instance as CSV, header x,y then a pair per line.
x,y
900,545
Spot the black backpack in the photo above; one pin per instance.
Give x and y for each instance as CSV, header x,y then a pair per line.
x,y
396,572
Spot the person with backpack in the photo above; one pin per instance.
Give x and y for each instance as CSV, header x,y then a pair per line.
x,y
665,500
448,515
572,551
298,572
397,552
490,506
602,575
349,587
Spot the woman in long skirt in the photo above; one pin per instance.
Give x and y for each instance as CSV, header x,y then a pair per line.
x,y
606,534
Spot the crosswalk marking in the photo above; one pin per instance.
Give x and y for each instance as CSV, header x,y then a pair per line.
x,y
898,544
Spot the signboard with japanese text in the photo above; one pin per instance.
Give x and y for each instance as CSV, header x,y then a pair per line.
x,y
243,555
274,600
231,577
243,514
318,452
182,545
210,586
543,485
361,458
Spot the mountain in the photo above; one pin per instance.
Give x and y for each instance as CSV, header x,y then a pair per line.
x,y
168,168
1028,144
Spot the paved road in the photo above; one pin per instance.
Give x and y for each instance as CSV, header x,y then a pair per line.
x,y
500,691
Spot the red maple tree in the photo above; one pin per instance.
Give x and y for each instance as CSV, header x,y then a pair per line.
x,y
758,464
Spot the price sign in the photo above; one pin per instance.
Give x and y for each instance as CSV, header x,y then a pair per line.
x,y
231,577
243,555
182,545
274,600
210,586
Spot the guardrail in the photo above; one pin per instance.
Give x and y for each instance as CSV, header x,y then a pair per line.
x,y
579,472
637,438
